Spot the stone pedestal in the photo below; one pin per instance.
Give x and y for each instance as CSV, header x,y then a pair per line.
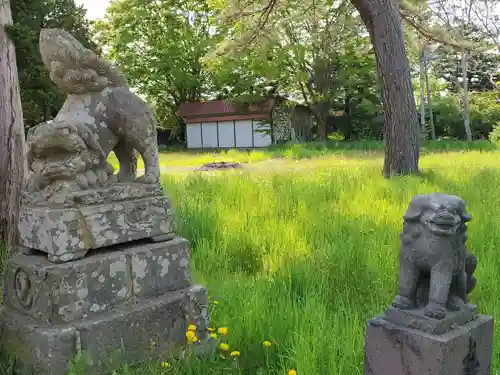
x,y
401,349
133,299
96,219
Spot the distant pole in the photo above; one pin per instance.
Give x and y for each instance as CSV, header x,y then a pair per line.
x,y
422,98
465,95
429,101
425,58
13,163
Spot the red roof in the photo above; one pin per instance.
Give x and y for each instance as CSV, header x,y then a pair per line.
x,y
222,110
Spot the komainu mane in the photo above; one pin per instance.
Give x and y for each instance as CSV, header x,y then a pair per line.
x,y
100,115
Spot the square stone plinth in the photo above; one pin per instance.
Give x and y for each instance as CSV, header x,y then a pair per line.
x,y
68,233
118,277
416,318
397,350
139,332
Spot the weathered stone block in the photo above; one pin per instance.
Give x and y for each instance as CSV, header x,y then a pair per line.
x,y
68,233
417,319
118,277
136,333
397,350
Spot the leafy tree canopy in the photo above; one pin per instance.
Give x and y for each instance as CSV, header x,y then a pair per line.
x,y
316,53
160,45
40,97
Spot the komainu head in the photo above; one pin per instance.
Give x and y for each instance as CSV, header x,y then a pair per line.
x,y
74,68
441,214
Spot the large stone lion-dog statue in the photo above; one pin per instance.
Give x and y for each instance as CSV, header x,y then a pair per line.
x,y
99,99
436,269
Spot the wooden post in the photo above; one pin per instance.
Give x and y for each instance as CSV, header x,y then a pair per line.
x,y
13,163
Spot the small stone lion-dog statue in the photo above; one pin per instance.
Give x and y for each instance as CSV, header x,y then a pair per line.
x,y
99,98
436,269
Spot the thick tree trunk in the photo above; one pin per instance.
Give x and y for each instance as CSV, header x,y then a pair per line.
x,y
13,163
401,129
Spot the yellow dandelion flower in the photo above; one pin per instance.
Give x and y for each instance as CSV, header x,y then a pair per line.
x,y
191,336
224,347
213,336
165,365
267,344
191,327
292,372
223,330
211,329
235,353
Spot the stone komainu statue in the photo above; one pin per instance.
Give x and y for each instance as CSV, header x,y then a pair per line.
x,y
436,269
74,201
100,115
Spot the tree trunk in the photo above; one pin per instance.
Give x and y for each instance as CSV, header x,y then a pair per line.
x,y
465,96
429,101
322,128
401,128
320,112
13,163
423,131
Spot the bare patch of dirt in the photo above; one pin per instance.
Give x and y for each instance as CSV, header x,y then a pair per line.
x,y
219,165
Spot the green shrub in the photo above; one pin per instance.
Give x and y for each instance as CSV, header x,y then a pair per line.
x,y
484,112
494,135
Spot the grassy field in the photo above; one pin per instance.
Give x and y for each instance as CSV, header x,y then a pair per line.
x,y
194,158
303,259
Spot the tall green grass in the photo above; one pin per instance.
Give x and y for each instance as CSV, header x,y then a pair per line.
x,y
304,259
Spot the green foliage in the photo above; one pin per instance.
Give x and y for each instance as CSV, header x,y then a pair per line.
x,y
482,69
159,46
484,114
316,53
494,135
40,98
361,120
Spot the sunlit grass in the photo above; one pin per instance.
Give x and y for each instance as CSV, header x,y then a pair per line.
x,y
304,258
189,158
192,159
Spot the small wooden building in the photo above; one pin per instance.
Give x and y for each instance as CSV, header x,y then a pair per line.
x,y
224,124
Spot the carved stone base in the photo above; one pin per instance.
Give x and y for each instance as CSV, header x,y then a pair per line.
x,y
418,320
84,289
133,300
137,333
68,233
398,350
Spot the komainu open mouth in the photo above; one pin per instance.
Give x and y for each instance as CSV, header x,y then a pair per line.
x,y
444,224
